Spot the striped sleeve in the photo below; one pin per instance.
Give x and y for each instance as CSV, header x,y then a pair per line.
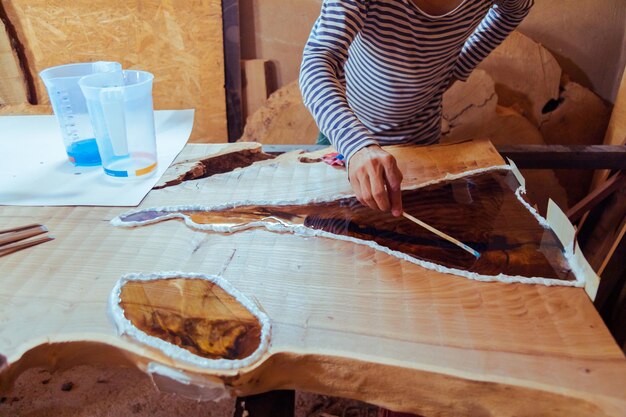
x,y
324,56
502,19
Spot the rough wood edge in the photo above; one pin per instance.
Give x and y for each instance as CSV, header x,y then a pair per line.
x,y
383,384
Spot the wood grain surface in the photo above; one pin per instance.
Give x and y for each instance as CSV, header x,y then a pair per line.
x,y
346,320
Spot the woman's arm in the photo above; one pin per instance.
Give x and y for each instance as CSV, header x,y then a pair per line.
x,y
502,19
324,56
373,173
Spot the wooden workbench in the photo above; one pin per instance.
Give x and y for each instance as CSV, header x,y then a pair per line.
x,y
346,320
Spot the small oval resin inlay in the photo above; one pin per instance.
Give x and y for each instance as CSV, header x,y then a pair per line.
x,y
193,314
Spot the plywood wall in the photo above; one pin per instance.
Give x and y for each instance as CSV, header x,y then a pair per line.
x,y
587,39
180,42
13,89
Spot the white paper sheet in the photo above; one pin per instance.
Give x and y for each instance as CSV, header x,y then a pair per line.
x,y
35,171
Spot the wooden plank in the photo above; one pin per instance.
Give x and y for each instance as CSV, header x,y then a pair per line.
x,y
611,300
346,320
566,156
602,234
621,231
616,132
13,86
179,42
255,85
598,195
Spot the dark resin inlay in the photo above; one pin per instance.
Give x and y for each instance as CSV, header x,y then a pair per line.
x,y
194,314
480,210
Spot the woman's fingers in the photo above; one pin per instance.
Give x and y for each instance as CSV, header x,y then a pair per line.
x,y
393,178
378,192
376,179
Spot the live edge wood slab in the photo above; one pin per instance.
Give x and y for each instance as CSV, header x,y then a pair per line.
x,y
346,319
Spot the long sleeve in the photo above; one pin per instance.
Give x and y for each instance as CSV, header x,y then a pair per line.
x,y
501,20
324,56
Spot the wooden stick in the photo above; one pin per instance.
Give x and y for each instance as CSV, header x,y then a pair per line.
x,y
609,255
20,228
6,250
442,235
596,197
22,234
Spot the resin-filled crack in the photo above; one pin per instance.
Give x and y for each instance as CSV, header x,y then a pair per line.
x,y
482,210
200,319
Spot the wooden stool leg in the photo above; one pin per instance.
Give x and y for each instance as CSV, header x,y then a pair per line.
x,y
269,404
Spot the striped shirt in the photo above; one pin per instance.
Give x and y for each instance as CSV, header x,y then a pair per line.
x,y
374,71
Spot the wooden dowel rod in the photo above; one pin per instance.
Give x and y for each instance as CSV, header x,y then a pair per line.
x,y
20,228
12,248
596,197
442,234
7,238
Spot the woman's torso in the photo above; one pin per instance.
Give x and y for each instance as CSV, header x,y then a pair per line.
x,y
400,63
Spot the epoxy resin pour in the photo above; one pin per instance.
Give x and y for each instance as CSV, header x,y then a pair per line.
x,y
191,317
483,210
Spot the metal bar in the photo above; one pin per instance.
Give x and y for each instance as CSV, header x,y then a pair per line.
x,y
232,68
565,156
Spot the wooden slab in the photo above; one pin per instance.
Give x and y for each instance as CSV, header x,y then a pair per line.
x,y
346,320
179,42
527,75
283,119
255,85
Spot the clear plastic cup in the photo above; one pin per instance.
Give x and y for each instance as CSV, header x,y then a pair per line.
x,y
70,109
120,107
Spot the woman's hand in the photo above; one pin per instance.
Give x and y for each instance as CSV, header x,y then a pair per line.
x,y
376,179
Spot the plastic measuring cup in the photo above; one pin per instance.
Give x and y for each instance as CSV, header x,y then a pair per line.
x,y
70,109
120,106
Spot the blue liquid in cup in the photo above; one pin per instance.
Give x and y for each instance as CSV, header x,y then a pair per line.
x,y
84,153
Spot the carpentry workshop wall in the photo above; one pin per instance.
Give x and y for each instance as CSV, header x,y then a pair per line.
x,y
179,42
581,34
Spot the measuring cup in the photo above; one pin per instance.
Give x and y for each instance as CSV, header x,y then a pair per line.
x,y
120,107
70,109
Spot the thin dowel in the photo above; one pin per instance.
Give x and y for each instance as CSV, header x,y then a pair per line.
x,y
442,234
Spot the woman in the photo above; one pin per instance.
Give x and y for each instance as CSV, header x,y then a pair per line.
x,y
374,73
